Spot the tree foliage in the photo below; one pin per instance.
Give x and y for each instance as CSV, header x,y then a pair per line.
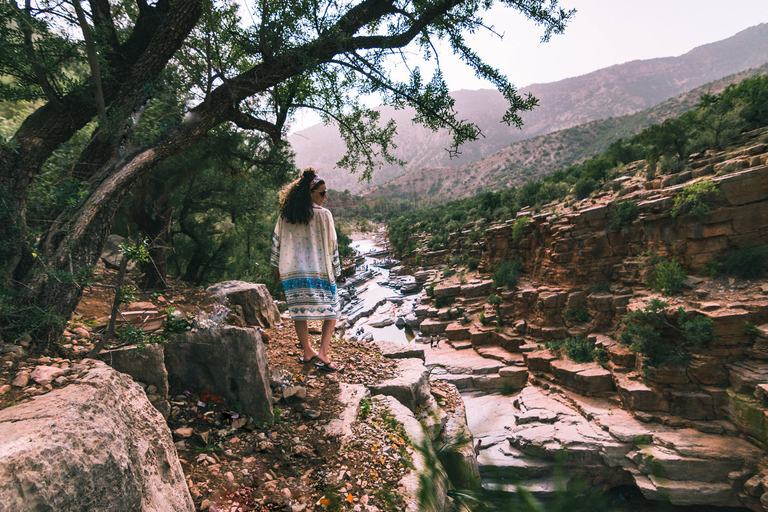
x,y
100,69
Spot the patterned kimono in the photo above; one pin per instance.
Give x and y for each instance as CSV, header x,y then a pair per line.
x,y
307,257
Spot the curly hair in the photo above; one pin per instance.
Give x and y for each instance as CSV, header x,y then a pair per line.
x,y
295,200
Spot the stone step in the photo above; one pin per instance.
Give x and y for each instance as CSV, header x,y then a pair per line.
x,y
746,375
456,332
461,345
499,354
584,377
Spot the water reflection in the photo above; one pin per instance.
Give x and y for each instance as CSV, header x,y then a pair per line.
x,y
375,296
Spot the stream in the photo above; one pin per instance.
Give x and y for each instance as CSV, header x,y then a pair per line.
x,y
375,299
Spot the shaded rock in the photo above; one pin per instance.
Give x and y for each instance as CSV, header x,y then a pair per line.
x,y
69,428
515,377
230,361
294,394
410,387
147,365
254,299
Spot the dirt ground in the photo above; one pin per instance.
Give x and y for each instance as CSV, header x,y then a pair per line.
x,y
233,464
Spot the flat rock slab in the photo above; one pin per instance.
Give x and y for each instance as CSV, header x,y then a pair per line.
x,y
350,396
397,350
498,353
461,361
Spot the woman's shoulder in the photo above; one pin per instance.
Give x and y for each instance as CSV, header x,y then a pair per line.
x,y
319,210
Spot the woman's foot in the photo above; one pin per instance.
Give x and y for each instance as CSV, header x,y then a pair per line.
x,y
326,365
308,359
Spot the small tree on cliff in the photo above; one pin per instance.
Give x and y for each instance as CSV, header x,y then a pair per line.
x,y
322,55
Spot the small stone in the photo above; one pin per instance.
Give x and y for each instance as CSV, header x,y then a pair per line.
x,y
4,389
21,380
46,374
183,432
205,505
287,493
310,414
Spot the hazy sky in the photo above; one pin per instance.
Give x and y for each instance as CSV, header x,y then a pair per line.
x,y
603,33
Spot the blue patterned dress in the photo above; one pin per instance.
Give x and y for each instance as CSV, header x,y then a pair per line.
x,y
307,257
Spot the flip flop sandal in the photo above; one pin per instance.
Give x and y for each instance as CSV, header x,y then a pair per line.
x,y
327,367
302,360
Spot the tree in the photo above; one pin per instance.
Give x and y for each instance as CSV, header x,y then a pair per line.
x,y
324,55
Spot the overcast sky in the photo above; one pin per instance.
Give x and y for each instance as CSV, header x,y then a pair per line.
x,y
601,34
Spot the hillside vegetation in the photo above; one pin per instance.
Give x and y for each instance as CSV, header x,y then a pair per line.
x,y
665,147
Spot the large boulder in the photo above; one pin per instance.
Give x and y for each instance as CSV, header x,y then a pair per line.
x,y
230,362
96,444
254,298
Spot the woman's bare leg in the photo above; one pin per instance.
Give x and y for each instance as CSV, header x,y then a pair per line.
x,y
325,340
302,331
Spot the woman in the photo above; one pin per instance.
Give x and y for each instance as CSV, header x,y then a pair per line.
x,y
306,255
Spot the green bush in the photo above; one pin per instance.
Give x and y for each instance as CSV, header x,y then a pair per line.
x,y
746,262
668,277
578,350
472,263
507,273
623,215
443,301
494,300
695,198
662,340
518,226
576,315
584,187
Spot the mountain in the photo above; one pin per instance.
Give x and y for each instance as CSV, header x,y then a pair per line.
x,y
535,158
610,92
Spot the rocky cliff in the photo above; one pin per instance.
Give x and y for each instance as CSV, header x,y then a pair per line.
x,y
689,427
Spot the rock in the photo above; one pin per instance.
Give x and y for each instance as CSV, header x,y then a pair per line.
x,y
410,386
147,365
230,361
21,380
69,429
46,374
111,254
294,394
514,376
310,414
458,455
382,320
539,360
350,396
183,432
258,306
396,350
480,289
4,389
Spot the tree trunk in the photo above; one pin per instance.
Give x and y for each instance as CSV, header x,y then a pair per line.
x,y
139,61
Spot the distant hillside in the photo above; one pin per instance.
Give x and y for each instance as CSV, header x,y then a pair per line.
x,y
532,159
611,92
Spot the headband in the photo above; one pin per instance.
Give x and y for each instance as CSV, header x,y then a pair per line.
x,y
315,181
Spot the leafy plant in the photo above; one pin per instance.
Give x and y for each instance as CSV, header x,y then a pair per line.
x,y
493,300
365,408
128,294
695,198
662,341
507,273
518,226
482,318
576,315
578,349
749,262
626,212
668,277
751,330
472,264
175,324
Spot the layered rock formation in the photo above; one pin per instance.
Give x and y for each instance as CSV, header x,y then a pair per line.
x,y
691,433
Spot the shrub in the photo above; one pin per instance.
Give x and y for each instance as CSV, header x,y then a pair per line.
x,y
443,301
623,215
472,263
653,334
518,226
746,262
578,349
584,187
494,300
668,277
576,315
671,164
695,198
507,273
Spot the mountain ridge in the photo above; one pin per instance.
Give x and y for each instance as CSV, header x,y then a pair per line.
x,y
609,92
